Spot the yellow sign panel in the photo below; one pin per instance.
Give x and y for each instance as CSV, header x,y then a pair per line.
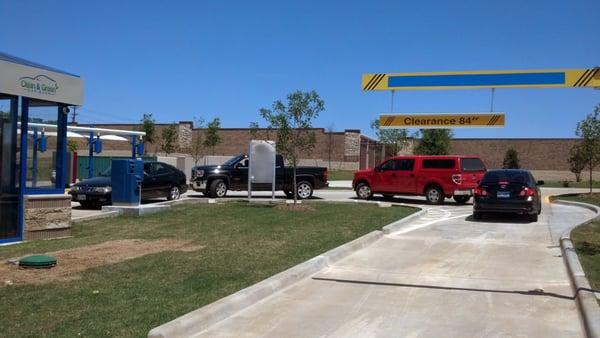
x,y
548,78
441,121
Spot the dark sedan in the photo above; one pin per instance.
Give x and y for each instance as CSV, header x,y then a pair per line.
x,y
160,180
508,191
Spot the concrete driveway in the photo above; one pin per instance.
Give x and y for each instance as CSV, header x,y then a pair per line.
x,y
442,275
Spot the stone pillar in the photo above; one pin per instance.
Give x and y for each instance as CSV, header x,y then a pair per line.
x,y
47,216
184,135
351,145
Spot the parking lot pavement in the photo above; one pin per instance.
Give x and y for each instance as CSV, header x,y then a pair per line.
x,y
79,213
442,275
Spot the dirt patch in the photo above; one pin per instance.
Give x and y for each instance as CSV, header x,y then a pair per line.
x,y
71,262
297,207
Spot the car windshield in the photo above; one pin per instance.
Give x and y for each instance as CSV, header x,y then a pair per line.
x,y
493,177
106,173
230,162
472,164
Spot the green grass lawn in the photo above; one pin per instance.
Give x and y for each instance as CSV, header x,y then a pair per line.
x,y
586,240
341,175
243,243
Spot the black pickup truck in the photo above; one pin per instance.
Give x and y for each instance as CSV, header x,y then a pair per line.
x,y
215,180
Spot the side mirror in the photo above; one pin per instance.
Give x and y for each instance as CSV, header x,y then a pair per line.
x,y
540,183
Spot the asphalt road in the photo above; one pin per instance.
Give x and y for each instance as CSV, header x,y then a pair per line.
x,y
443,274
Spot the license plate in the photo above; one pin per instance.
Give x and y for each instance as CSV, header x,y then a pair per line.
x,y
463,192
503,194
81,197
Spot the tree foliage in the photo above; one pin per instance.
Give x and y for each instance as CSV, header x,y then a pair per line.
x,y
148,125
212,137
169,139
589,130
434,142
72,146
293,122
396,139
511,159
577,161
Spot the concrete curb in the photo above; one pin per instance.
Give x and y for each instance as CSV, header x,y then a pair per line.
x,y
215,312
106,214
388,229
219,310
585,298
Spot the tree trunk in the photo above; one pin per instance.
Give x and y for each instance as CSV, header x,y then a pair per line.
x,y
591,168
294,181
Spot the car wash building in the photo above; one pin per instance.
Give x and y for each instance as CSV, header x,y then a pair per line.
x,y
33,203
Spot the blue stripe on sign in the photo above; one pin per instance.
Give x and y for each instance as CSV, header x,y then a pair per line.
x,y
477,80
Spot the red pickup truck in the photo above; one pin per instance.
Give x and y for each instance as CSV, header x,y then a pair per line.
x,y
435,177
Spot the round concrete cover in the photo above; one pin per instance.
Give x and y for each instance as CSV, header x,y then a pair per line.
x,y
38,261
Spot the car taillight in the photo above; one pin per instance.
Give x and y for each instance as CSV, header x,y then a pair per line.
x,y
480,192
526,192
325,175
457,178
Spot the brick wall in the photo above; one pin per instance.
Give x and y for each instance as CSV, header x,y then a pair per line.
x,y
350,146
539,154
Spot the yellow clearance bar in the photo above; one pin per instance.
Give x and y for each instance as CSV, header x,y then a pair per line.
x,y
442,121
548,78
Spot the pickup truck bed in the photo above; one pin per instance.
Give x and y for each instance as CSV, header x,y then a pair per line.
x,y
216,180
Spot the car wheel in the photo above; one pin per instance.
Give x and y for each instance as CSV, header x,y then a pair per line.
x,y
174,193
533,217
363,191
461,199
218,189
477,215
434,195
304,190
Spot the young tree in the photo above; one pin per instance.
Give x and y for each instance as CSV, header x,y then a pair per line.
x,y
212,137
148,126
293,122
197,146
589,130
258,133
511,159
72,146
330,144
169,137
396,139
577,161
434,142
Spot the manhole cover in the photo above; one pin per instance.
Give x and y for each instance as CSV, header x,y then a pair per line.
x,y
37,261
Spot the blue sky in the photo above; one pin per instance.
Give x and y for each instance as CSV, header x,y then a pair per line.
x,y
227,59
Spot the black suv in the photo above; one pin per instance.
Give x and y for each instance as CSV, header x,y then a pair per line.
x,y
160,180
508,191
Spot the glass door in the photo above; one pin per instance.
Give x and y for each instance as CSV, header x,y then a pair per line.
x,y
9,164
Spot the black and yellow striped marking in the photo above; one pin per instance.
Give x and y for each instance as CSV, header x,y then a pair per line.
x,y
372,81
442,121
587,77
